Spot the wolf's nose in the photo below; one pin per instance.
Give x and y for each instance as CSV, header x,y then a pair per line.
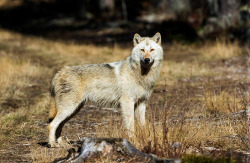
x,y
146,60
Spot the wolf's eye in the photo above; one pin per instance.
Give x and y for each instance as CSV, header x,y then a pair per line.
x,y
151,50
142,50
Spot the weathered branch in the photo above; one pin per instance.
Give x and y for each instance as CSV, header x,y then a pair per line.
x,y
116,149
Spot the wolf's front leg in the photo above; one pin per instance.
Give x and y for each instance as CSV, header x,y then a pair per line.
x,y
140,112
127,109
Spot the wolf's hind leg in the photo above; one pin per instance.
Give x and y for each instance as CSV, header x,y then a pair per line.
x,y
64,114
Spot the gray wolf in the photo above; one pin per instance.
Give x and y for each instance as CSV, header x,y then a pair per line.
x,y
126,84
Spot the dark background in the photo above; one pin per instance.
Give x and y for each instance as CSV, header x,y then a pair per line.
x,y
112,21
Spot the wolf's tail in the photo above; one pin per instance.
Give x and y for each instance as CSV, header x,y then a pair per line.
x,y
53,110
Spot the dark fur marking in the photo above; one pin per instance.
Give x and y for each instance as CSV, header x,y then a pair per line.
x,y
158,39
65,87
137,40
139,101
50,120
108,66
131,61
52,89
146,68
77,70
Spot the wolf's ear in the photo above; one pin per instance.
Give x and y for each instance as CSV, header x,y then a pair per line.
x,y
157,38
137,39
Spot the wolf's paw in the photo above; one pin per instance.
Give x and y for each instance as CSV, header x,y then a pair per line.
x,y
62,142
54,145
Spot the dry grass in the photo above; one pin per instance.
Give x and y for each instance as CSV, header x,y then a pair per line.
x,y
41,154
172,71
183,119
223,102
18,73
173,131
220,49
209,51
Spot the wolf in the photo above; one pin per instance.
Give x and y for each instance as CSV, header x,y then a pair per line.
x,y
126,84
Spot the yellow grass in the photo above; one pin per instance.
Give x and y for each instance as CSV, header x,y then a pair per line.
x,y
220,49
223,102
210,50
160,136
14,68
172,71
40,154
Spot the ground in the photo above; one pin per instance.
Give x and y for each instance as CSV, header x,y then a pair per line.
x,y
198,101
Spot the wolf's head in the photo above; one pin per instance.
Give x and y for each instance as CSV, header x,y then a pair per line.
x,y
147,51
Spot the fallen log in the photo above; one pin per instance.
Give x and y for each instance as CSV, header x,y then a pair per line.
x,y
115,149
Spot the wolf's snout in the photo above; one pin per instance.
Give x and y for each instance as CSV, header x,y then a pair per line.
x,y
146,60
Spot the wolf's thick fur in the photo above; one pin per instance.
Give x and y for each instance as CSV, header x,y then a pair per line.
x,y
126,84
